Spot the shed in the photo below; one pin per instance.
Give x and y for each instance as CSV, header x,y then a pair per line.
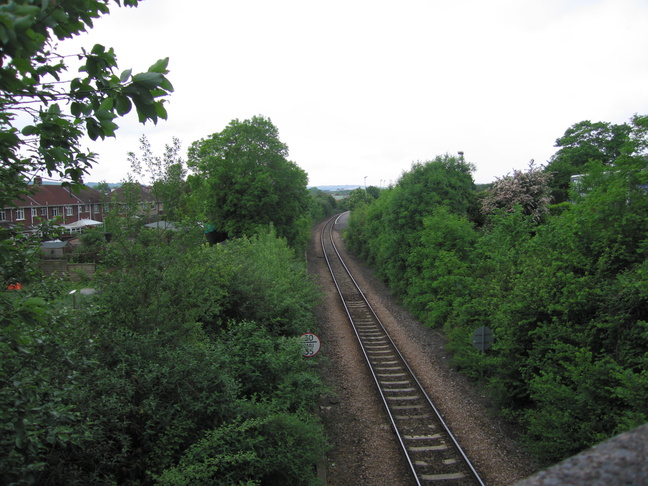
x,y
53,250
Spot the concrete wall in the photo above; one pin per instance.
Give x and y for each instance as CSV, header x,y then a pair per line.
x,y
622,460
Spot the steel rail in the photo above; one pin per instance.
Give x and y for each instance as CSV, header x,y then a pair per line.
x,y
456,468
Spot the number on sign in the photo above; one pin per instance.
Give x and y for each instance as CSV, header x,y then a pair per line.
x,y
311,344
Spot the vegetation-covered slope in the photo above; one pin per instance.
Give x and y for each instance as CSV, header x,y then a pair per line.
x,y
562,287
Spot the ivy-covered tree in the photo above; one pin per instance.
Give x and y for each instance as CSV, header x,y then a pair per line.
x,y
245,182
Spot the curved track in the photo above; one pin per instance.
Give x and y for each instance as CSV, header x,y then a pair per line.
x,y
431,450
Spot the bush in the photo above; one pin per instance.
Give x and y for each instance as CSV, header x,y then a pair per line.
x,y
269,448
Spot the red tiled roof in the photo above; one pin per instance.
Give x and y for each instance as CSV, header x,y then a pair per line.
x,y
55,195
145,193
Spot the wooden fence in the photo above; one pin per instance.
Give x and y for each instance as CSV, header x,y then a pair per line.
x,y
63,269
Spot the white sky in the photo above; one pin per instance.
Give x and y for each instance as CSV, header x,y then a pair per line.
x,y
366,87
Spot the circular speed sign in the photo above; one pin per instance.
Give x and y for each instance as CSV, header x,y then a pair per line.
x,y
311,344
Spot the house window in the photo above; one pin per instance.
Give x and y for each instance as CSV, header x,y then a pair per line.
x,y
87,208
97,209
20,214
69,211
34,212
44,211
55,212
3,215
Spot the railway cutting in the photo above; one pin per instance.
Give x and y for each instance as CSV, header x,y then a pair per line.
x,y
432,452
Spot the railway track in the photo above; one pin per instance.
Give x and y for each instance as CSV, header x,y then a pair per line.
x,y
433,454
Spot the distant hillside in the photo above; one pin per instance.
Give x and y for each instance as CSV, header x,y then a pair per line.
x,y
341,187
112,185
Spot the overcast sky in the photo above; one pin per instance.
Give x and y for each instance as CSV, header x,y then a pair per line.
x,y
363,88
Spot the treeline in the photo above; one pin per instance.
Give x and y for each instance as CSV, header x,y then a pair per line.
x,y
185,369
558,274
235,181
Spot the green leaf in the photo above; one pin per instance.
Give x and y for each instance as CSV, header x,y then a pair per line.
x,y
76,108
4,36
23,23
138,94
54,109
106,104
166,85
30,130
149,80
94,131
160,110
125,75
145,111
123,105
98,49
109,127
160,66
104,115
35,301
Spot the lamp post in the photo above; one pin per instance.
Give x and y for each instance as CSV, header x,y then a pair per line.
x,y
365,182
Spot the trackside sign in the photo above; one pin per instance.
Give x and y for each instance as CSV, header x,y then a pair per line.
x,y
311,344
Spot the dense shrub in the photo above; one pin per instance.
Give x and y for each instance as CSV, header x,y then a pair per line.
x,y
168,360
564,292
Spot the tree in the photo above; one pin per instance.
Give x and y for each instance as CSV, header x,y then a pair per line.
x,y
356,197
248,183
43,119
529,190
103,187
32,87
166,173
582,143
373,192
323,204
388,231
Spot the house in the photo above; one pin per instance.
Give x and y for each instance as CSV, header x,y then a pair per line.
x,y
76,210
136,199
47,202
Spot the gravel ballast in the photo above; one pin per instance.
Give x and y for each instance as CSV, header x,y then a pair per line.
x,y
364,449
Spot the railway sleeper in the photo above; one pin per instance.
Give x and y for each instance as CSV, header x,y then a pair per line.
x,y
422,437
403,418
400,390
442,477
447,462
404,398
